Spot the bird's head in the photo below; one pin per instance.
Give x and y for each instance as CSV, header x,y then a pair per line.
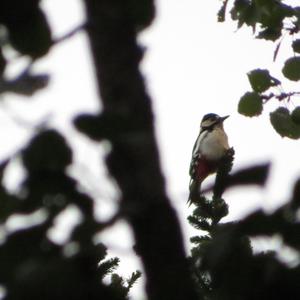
x,y
209,121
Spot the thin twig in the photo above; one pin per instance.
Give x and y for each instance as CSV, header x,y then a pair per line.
x,y
69,34
279,97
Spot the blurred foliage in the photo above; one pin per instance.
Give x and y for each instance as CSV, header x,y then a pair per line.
x,y
270,20
222,261
25,29
32,265
25,84
28,29
142,13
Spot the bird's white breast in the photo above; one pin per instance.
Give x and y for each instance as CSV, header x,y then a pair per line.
x,y
212,144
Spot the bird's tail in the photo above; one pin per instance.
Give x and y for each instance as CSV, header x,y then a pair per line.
x,y
194,195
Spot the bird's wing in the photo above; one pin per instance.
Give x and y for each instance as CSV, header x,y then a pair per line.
x,y
195,157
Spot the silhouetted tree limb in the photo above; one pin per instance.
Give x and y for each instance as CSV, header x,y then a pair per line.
x,y
134,159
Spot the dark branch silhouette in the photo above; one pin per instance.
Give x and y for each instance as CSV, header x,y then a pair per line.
x,y
134,159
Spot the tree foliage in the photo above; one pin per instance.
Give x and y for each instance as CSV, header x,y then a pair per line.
x,y
270,20
32,265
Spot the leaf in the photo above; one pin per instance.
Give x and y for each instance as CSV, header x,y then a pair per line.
x,y
250,104
259,223
261,80
251,16
104,126
90,125
296,46
280,120
238,9
222,11
255,175
291,68
142,13
283,123
263,2
295,115
31,35
48,151
269,34
245,13
26,84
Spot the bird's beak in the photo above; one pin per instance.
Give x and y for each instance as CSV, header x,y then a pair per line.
x,y
224,118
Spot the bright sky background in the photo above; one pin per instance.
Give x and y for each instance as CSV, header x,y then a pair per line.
x,y
193,66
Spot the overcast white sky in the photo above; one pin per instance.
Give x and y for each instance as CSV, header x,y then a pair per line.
x,y
193,66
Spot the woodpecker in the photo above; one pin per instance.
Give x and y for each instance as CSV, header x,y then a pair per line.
x,y
210,147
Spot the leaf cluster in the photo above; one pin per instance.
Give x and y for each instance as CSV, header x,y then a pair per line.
x,y
266,17
270,20
285,123
32,265
25,29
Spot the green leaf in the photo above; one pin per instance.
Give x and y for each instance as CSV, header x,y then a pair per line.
x,y
283,124
296,46
270,34
291,68
240,6
263,2
296,115
222,11
251,16
250,104
261,80
245,12
279,120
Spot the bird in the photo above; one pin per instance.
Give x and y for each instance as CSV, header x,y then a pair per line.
x,y
210,147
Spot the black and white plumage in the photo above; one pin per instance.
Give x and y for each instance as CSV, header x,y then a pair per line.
x,y
210,147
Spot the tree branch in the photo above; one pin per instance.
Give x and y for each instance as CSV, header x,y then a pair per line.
x,y
134,159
